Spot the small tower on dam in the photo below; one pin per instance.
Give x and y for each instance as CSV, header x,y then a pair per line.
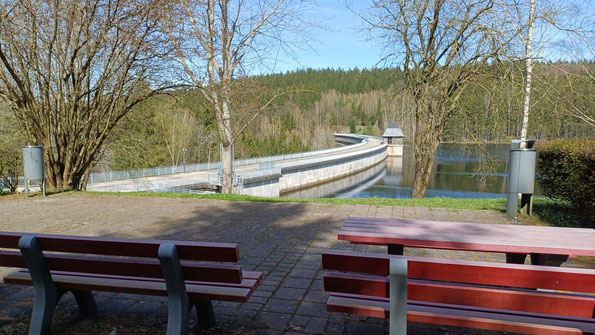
x,y
393,136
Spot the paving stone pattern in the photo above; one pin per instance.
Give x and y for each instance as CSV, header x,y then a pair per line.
x,y
283,240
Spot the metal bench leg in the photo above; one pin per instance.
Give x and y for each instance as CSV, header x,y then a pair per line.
x,y
398,296
86,303
46,295
177,298
513,258
206,315
396,249
548,260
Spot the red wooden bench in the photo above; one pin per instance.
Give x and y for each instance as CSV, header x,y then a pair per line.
x,y
494,296
191,274
546,245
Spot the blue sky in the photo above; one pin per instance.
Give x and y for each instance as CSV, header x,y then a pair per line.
x,y
341,44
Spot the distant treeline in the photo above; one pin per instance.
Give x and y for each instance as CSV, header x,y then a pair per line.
x,y
342,81
563,96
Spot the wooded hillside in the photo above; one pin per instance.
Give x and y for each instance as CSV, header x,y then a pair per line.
x,y
315,103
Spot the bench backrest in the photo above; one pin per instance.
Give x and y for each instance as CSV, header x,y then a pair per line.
x,y
126,257
477,284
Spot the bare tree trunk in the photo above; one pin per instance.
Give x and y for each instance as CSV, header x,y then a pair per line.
x,y
424,148
529,72
226,137
424,161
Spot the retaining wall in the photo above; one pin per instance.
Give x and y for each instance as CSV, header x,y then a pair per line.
x,y
311,172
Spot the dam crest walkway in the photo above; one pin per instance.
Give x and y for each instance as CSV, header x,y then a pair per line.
x,y
266,176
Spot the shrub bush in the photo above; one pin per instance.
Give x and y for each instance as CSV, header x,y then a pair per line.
x,y
566,171
10,167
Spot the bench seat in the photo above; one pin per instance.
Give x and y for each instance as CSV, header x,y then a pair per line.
x,y
145,286
191,274
493,296
459,316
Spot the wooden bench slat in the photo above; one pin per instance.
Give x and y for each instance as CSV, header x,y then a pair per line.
x,y
12,259
188,250
582,323
249,282
196,291
355,284
470,236
229,273
448,317
363,307
485,321
556,320
374,221
503,299
385,239
252,275
399,222
471,272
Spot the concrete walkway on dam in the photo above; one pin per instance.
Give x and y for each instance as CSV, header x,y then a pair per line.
x,y
283,240
253,173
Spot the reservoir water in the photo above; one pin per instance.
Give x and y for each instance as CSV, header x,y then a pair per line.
x,y
460,171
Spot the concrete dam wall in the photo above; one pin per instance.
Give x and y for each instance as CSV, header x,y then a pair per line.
x,y
291,176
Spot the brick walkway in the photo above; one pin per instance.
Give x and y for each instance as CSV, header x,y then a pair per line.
x,y
283,240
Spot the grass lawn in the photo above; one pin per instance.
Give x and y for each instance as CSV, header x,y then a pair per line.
x,y
545,211
477,204
548,211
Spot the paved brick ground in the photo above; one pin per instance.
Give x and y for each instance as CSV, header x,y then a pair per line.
x,y
283,240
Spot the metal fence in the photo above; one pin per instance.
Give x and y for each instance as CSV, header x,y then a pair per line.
x,y
239,179
266,166
264,163
321,161
180,190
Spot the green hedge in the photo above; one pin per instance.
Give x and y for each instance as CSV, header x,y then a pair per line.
x,y
566,171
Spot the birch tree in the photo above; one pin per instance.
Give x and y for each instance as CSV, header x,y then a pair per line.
x,y
70,70
216,41
528,70
179,130
552,30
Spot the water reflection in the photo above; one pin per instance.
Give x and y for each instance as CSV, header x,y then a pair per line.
x,y
334,189
460,171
